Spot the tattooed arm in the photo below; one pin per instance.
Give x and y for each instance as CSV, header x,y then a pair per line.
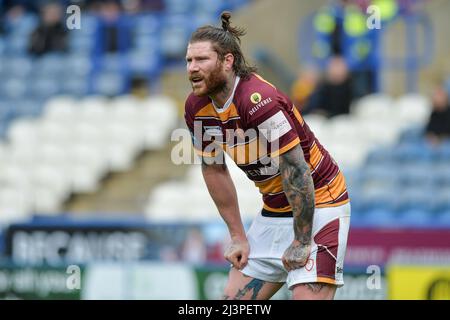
x,y
222,191
299,189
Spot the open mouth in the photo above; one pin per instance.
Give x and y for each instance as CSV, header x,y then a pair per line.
x,y
196,79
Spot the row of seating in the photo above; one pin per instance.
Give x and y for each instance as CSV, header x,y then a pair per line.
x,y
74,145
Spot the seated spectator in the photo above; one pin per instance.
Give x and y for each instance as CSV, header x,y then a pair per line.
x,y
51,34
438,127
334,94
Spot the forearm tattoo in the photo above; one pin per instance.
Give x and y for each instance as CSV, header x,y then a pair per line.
x,y
299,189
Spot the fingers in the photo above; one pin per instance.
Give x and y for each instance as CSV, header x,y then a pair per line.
x,y
233,259
243,261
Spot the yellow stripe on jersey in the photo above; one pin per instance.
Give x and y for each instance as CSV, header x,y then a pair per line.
x,y
286,148
298,116
331,191
315,156
207,111
247,153
231,112
270,186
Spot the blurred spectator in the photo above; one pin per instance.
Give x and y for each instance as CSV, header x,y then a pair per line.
x,y
139,87
438,127
334,95
110,15
51,34
194,248
303,88
341,30
114,33
140,6
12,18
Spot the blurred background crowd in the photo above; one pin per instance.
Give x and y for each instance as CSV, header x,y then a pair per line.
x,y
88,104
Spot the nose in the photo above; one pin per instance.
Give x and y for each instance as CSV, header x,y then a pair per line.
x,y
192,67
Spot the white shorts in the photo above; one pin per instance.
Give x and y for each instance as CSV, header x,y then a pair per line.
x,y
269,237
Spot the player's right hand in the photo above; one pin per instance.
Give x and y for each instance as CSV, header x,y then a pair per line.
x,y
237,252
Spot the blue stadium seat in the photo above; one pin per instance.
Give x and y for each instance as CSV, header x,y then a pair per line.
x,y
380,156
7,111
77,65
441,175
443,152
146,25
379,175
378,218
385,199
108,83
414,198
414,134
146,42
412,152
22,26
82,44
16,66
175,33
415,218
148,62
178,6
417,175
28,107
13,88
16,45
113,62
443,219
75,85
42,88
212,8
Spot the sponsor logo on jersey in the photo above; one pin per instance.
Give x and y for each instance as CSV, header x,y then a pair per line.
x,y
259,105
275,127
255,97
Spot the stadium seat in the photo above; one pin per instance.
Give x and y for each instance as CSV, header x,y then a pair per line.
x,y
108,83
374,106
415,218
413,109
378,218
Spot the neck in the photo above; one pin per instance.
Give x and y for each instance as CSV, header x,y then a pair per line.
x,y
221,97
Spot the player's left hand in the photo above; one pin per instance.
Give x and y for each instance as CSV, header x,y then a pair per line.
x,y
296,255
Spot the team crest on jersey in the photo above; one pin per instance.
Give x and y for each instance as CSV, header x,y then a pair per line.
x,y
255,97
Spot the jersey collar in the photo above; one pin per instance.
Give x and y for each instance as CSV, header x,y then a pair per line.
x,y
230,99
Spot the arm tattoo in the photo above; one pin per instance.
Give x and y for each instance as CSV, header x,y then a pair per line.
x,y
299,189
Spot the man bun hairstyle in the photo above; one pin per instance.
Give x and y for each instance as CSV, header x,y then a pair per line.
x,y
225,40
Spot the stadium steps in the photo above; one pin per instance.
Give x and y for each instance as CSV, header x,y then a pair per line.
x,y
127,192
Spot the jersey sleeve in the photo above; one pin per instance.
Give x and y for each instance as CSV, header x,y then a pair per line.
x,y
274,125
203,147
